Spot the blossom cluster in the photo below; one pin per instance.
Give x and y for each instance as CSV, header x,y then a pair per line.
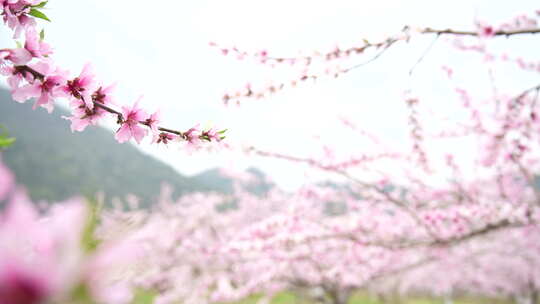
x,y
266,245
462,190
394,228
337,60
187,250
32,73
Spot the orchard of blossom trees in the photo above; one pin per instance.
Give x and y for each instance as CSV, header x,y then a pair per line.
x,y
452,211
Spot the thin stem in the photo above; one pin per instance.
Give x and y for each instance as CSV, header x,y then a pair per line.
x,y
426,51
23,69
428,30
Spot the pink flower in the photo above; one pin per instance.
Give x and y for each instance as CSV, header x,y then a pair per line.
x,y
44,90
15,15
41,263
18,56
164,138
22,286
111,258
83,116
35,46
131,125
211,135
15,75
82,87
14,78
486,31
47,261
104,95
192,135
153,121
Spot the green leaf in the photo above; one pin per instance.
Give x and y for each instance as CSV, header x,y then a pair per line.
x,y
38,14
41,5
42,35
222,131
143,296
6,141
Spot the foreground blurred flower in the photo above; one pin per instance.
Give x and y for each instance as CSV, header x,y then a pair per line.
x,y
43,262
55,257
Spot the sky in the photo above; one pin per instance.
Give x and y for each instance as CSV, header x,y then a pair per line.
x,y
161,50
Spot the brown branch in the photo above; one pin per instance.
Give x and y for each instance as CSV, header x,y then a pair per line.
x,y
389,42
24,69
382,46
339,53
429,30
106,108
385,48
447,242
529,90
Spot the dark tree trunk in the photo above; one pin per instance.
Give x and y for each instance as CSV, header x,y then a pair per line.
x,y
534,296
339,296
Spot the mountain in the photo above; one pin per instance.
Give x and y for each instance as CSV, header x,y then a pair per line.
x,y
53,163
218,180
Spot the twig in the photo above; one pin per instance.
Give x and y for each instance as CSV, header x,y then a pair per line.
x,y
428,30
23,69
423,54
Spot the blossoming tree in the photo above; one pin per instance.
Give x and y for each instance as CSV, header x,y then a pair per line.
x,y
32,73
466,175
452,209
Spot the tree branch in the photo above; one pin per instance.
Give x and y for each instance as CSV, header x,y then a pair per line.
x,y
429,30
24,69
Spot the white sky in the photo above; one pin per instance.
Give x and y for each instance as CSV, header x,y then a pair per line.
x,y
160,49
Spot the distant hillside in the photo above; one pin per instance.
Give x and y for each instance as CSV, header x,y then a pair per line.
x,y
215,180
54,163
